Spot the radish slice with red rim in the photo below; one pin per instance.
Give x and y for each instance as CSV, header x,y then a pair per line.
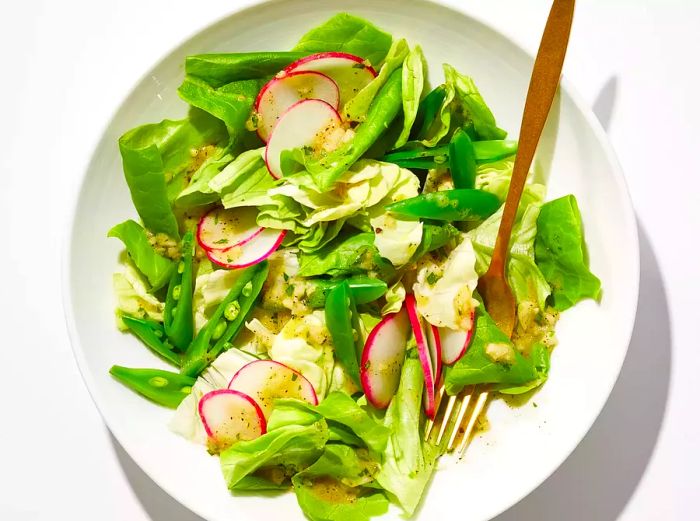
x,y
382,358
256,249
283,91
348,71
267,380
432,333
229,417
423,356
220,229
308,123
455,343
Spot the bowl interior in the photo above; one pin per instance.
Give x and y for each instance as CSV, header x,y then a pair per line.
x,y
525,444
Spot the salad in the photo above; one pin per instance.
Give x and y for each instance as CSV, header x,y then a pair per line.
x,y
306,259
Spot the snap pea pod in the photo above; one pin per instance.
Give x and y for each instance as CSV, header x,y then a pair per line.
x,y
420,157
427,110
343,323
163,387
448,205
226,321
151,333
178,319
384,108
363,289
462,160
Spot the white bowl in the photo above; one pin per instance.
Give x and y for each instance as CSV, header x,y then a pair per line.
x,y
525,445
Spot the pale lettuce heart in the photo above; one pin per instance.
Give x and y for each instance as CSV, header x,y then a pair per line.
x,y
444,290
304,345
133,297
396,239
209,290
186,421
394,297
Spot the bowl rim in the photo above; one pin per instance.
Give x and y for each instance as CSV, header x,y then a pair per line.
x,y
627,215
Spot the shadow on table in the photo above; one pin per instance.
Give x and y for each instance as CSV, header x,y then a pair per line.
x,y
601,475
155,501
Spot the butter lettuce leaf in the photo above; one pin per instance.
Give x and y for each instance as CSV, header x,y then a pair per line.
x,y
158,161
492,358
133,296
332,488
293,447
443,290
156,268
231,103
408,461
472,104
413,82
561,256
357,108
347,33
345,256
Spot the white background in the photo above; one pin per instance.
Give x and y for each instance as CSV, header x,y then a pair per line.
x,y
65,66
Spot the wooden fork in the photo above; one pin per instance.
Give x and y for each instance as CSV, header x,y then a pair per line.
x,y
493,285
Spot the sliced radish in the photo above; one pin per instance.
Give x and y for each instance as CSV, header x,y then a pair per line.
x,y
267,380
283,91
423,356
256,249
432,333
230,416
455,343
348,71
382,358
220,229
308,123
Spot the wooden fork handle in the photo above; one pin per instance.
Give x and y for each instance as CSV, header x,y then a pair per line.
x,y
540,94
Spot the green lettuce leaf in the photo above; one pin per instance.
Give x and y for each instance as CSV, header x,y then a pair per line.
x,y
156,268
408,461
561,255
293,447
331,489
524,276
158,161
346,256
339,409
219,69
231,103
357,108
492,358
347,33
413,81
473,105
198,192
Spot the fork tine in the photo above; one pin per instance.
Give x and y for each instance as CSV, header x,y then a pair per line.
x,y
460,417
446,417
431,423
476,411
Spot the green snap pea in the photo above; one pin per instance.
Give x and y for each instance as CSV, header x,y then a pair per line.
x,y
384,109
163,387
206,346
343,324
418,157
428,108
363,289
178,319
151,334
448,205
462,160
